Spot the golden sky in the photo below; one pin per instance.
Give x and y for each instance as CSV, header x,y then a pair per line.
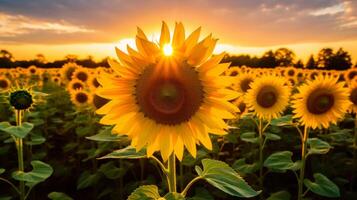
x,y
95,27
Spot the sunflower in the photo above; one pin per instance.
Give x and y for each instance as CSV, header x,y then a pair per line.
x,y
268,97
81,98
350,74
4,84
75,84
32,70
242,84
81,74
169,95
290,72
320,102
239,102
353,96
67,71
232,71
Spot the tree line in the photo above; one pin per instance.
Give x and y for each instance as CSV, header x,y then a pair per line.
x,y
326,58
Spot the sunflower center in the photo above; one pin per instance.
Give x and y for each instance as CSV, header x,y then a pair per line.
x,y
320,102
32,71
82,76
234,73
245,84
267,97
291,72
77,86
352,74
81,98
353,96
169,98
3,84
21,99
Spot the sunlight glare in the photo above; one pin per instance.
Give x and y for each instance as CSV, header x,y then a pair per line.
x,y
168,50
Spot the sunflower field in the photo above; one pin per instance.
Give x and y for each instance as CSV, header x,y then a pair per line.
x,y
169,120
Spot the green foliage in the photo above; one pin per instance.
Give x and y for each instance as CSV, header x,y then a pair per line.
x,y
145,192
126,153
17,131
2,170
250,137
281,195
281,161
317,146
59,196
223,177
106,136
322,186
41,171
242,167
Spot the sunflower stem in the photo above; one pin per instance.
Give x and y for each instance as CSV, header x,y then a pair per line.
x,y
303,162
172,173
20,153
261,143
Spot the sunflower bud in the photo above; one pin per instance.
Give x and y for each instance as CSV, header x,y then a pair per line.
x,y
21,99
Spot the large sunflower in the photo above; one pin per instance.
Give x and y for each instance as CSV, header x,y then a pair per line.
x,y
268,96
168,95
320,102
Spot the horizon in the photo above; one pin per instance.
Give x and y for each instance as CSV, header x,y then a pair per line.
x,y
56,29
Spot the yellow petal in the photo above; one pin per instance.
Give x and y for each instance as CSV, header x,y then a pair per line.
x,y
179,36
165,35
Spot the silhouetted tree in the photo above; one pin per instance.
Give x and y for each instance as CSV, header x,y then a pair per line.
x,y
311,64
284,57
341,60
324,58
268,60
299,64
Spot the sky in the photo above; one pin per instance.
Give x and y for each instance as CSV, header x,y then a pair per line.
x,y
95,27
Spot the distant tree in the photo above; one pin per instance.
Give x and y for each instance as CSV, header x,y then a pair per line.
x,y
324,58
268,60
6,54
40,58
6,59
341,60
299,64
71,57
284,57
311,63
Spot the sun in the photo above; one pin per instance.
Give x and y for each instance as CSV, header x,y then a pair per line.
x,y
168,50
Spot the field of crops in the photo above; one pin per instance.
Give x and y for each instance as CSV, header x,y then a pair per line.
x,y
174,122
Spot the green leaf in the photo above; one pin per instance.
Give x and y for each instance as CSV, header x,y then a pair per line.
x,y
281,161
59,196
272,136
317,146
36,139
242,167
145,192
17,131
282,121
111,171
41,171
322,186
223,177
174,196
5,198
2,170
106,136
87,179
201,194
281,195
249,137
126,153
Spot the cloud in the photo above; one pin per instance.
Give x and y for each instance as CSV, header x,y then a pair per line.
x,y
331,10
14,25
